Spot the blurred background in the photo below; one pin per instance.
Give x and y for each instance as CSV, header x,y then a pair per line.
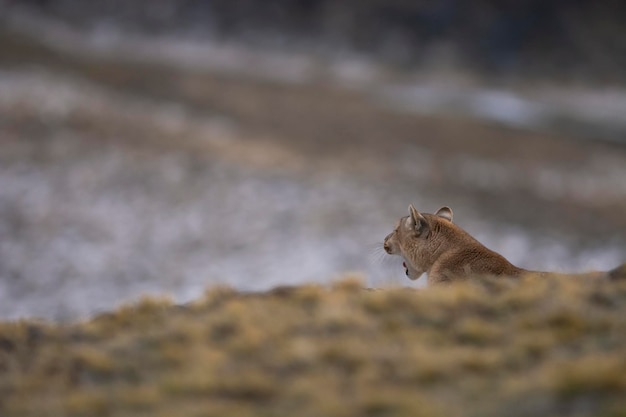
x,y
164,146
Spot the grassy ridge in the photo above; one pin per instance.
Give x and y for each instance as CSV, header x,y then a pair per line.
x,y
490,348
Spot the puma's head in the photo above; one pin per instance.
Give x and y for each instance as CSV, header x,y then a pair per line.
x,y
417,239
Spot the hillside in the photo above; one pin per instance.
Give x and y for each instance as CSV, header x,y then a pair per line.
x,y
488,348
128,178
578,41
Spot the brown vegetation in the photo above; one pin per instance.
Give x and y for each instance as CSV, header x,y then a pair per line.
x,y
481,348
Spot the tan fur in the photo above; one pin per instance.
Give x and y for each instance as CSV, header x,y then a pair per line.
x,y
433,244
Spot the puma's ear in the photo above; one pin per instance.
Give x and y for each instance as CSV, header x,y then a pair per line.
x,y
445,212
418,222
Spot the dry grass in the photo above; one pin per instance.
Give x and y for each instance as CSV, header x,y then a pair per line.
x,y
489,348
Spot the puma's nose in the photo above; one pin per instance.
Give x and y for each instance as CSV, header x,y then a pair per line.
x,y
386,245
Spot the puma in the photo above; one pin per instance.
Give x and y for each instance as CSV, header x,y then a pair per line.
x,y
433,244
